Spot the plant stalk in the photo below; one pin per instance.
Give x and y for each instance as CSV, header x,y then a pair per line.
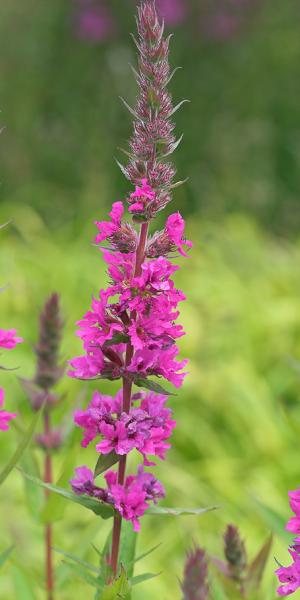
x,y
48,527
127,388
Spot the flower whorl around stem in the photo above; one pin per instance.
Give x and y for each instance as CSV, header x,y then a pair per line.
x,y
153,138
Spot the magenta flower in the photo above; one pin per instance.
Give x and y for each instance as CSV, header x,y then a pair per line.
x,y
5,417
9,339
145,428
108,228
175,230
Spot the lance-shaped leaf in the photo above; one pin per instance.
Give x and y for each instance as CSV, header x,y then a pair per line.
x,y
256,568
177,512
105,461
144,577
82,574
5,555
99,508
21,448
77,561
141,556
149,384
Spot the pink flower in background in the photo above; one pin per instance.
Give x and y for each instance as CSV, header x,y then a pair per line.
x,y
93,22
173,11
5,417
9,339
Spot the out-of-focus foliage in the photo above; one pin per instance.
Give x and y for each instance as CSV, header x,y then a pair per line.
x,y
238,414
59,96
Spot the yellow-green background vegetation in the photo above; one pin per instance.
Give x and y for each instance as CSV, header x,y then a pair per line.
x,y
237,441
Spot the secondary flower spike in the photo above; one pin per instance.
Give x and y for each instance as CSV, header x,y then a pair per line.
x,y
131,331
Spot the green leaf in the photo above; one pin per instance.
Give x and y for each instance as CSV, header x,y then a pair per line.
x,y
256,568
77,560
82,574
127,547
177,512
118,338
21,448
118,590
22,585
102,510
152,385
141,556
5,555
105,461
144,577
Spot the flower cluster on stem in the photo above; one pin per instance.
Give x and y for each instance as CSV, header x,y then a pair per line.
x,y
290,576
131,330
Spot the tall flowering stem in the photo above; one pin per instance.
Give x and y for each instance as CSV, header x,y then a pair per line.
x,y
40,392
130,332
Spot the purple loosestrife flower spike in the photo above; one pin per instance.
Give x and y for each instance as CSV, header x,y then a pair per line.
x,y
130,332
48,371
195,581
235,552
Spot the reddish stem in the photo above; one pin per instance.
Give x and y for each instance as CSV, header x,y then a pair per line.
x,y
48,526
127,387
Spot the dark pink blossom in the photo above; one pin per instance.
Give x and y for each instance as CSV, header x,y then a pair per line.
x,y
5,417
108,228
131,499
141,197
146,427
9,339
175,231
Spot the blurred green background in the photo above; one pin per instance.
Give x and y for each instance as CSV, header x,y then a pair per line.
x,y
63,66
